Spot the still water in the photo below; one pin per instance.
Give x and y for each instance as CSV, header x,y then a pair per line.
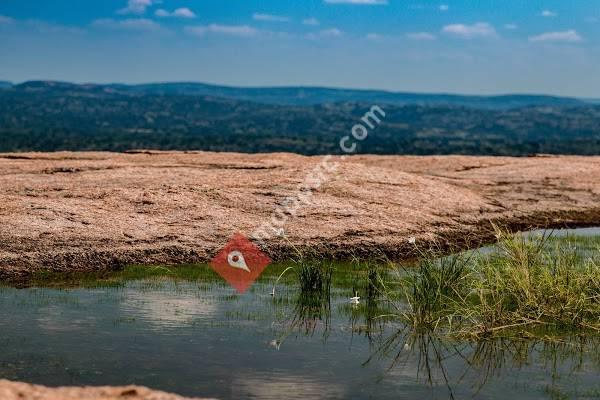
x,y
198,338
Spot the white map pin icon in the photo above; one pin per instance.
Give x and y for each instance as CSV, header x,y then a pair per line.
x,y
235,259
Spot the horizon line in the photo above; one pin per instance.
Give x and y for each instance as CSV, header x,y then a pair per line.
x,y
297,86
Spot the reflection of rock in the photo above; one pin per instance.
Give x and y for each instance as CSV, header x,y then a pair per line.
x,y
167,307
19,391
280,386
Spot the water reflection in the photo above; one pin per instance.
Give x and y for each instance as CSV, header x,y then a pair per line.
x,y
281,385
444,362
161,310
449,367
200,339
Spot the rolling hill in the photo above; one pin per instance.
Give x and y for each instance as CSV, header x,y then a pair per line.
x,y
47,116
317,95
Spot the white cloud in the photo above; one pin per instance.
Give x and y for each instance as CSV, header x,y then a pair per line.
x,y
6,20
373,36
511,27
326,33
137,7
444,7
183,12
420,36
311,21
133,24
231,30
333,32
269,17
358,2
570,36
548,14
478,30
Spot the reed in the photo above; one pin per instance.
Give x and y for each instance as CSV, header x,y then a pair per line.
x,y
534,284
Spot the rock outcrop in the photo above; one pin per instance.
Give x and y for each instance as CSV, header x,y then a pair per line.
x,y
90,211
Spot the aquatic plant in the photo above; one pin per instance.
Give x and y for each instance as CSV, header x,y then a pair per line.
x,y
532,283
314,278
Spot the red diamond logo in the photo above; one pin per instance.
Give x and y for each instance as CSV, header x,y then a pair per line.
x,y
240,262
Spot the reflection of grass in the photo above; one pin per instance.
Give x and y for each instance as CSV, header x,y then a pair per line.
x,y
436,359
313,302
536,284
311,308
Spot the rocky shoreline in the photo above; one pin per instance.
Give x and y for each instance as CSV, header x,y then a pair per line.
x,y
19,391
90,211
68,212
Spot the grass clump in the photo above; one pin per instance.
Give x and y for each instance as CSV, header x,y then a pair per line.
x,y
527,284
314,278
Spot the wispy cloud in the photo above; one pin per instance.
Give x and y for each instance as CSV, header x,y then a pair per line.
x,y
183,12
548,14
311,21
420,36
444,7
269,17
137,7
6,20
478,30
373,36
132,24
333,32
42,26
230,30
325,33
570,36
46,27
359,2
511,27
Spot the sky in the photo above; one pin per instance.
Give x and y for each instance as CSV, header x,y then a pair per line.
x,y
450,46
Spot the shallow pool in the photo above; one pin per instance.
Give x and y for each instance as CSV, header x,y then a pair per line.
x,y
199,338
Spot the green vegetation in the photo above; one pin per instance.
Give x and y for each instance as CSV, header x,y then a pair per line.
x,y
314,278
307,274
119,278
535,286
48,117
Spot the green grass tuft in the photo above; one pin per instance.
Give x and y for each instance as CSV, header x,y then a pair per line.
x,y
535,284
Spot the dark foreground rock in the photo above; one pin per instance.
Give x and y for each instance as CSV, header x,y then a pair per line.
x,y
96,211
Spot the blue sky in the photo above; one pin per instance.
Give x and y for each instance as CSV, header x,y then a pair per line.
x,y
457,46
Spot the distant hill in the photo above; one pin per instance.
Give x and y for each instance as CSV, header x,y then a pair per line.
x,y
5,84
47,116
318,95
